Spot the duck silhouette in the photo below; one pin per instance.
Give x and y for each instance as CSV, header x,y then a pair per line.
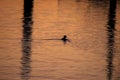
x,y
64,39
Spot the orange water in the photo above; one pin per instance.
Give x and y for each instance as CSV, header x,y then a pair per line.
x,y
84,58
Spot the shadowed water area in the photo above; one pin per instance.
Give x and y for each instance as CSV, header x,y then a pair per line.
x,y
60,40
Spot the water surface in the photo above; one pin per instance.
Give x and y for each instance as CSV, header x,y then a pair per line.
x,y
91,25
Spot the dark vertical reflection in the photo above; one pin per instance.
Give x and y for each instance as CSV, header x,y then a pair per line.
x,y
77,0
59,1
59,4
112,14
111,36
26,40
99,3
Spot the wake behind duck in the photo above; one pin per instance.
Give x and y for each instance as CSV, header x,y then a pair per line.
x,y
64,39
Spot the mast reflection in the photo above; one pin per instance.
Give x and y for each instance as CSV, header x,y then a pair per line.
x,y
26,40
111,36
77,0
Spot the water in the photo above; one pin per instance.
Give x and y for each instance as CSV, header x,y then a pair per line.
x,y
91,25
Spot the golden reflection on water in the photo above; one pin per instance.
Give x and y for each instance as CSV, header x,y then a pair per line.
x,y
84,58
10,35
77,59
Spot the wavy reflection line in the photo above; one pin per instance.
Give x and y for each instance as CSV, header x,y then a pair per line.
x,y
26,60
111,36
26,40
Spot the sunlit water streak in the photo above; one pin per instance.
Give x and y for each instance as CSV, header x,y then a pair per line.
x,y
29,52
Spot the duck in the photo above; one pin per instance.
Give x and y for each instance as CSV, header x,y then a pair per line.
x,y
64,38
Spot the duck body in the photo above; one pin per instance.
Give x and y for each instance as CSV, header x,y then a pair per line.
x,y
64,38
